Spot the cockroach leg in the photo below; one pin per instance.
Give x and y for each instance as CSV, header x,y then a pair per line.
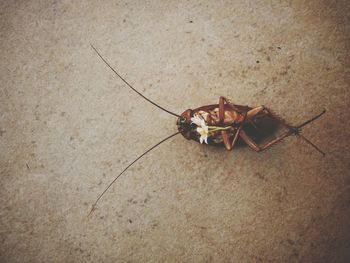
x,y
310,143
225,139
222,101
255,111
236,137
229,145
312,119
222,110
224,134
292,130
249,141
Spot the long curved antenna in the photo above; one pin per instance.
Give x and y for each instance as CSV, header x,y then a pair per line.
x,y
127,83
138,158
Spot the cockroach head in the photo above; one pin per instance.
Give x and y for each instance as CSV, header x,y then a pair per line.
x,y
184,123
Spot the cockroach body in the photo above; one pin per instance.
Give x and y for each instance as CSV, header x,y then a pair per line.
x,y
226,123
223,124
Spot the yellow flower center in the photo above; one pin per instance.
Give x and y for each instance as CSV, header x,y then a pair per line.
x,y
202,132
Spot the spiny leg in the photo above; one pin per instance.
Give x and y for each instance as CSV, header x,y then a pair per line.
x,y
312,119
224,134
249,115
249,141
228,145
222,101
310,143
226,141
298,128
235,138
291,130
255,111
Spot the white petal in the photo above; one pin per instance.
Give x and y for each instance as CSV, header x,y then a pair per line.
x,y
206,129
201,139
197,120
206,139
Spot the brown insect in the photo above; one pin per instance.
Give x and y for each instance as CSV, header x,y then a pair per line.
x,y
223,124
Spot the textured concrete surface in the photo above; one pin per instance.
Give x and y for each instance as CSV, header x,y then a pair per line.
x,y
68,126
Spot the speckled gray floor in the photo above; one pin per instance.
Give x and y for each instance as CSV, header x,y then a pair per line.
x,y
68,126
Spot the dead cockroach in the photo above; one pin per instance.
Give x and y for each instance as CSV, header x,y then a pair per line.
x,y
223,124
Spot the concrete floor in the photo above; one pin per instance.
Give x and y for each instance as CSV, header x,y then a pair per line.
x,y
68,126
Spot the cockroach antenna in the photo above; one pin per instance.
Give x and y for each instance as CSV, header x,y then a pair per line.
x,y
130,86
138,158
222,124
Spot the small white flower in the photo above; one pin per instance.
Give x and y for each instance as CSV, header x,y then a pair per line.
x,y
202,128
198,121
203,131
